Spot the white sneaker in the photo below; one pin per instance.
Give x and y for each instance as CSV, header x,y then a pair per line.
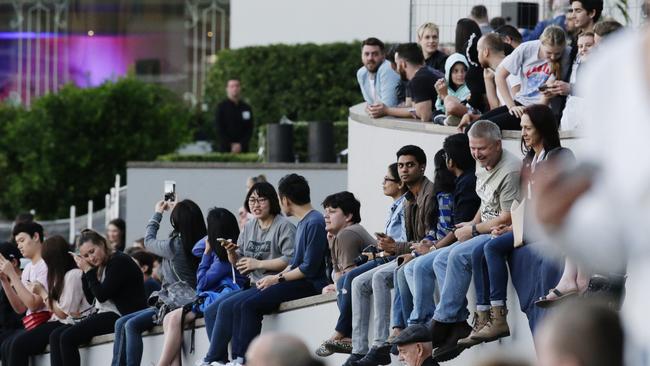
x,y
203,363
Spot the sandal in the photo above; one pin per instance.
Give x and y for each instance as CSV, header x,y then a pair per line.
x,y
322,351
338,346
544,302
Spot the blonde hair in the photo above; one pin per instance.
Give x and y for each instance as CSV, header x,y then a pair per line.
x,y
427,26
553,36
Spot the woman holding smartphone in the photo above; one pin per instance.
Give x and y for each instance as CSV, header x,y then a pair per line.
x,y
114,280
264,247
178,264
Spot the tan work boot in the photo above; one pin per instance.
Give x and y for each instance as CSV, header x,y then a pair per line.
x,y
496,328
481,319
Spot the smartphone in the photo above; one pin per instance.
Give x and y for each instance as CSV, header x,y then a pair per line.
x,y
543,88
380,235
170,190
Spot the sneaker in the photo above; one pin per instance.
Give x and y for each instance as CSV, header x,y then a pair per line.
x,y
439,119
338,346
322,350
378,355
354,357
205,363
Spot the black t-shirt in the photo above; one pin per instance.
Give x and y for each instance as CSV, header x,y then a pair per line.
x,y
466,201
476,85
422,86
437,61
8,317
234,124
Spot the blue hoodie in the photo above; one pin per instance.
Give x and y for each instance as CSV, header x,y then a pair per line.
x,y
462,92
212,270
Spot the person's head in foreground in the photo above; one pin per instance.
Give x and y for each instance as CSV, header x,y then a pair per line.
x,y
581,333
278,349
414,345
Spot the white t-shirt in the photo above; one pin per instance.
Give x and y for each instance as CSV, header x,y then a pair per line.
x,y
512,81
35,273
532,71
72,300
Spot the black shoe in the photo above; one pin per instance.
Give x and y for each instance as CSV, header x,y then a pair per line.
x,y
376,356
439,332
394,350
450,348
354,357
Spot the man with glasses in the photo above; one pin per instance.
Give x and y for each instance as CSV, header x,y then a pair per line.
x,y
378,282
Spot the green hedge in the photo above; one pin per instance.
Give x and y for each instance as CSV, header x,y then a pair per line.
x,y
305,82
212,157
68,146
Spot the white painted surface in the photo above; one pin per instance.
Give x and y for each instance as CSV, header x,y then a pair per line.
x,y
210,187
264,22
372,147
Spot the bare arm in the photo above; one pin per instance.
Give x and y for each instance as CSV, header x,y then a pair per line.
x,y
502,85
15,302
423,110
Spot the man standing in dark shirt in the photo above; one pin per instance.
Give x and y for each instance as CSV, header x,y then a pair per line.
x,y
410,66
10,322
234,120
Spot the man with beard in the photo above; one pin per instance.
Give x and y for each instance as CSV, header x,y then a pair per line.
x,y
377,80
410,66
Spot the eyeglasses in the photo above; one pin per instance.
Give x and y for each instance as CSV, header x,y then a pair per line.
x,y
259,201
386,179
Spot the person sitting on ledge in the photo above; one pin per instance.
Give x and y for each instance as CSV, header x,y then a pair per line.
x,y
410,66
377,79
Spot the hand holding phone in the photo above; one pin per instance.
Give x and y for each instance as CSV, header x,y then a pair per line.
x,y
380,235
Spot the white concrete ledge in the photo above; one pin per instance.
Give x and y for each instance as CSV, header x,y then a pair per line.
x,y
358,114
200,323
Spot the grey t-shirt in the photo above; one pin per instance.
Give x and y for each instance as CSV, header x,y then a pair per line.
x,y
498,187
275,242
347,245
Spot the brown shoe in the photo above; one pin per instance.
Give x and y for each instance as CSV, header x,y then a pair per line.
x,y
496,328
481,318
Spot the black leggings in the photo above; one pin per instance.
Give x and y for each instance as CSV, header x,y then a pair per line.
x,y
65,341
17,349
502,117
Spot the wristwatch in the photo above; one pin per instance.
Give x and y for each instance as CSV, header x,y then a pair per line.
x,y
475,231
281,277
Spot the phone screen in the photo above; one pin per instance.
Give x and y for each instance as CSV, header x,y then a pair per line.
x,y
170,190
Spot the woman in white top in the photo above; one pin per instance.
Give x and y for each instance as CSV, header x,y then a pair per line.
x,y
63,294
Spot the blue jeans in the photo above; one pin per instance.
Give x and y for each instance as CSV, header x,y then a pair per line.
x,y
402,301
219,323
127,346
456,262
344,296
496,253
421,280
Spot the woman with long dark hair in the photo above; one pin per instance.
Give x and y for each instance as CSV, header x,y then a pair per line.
x,y
65,299
116,234
178,264
114,280
539,137
215,274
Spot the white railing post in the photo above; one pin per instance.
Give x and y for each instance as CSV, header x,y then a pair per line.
x,y
117,196
107,210
73,213
113,195
89,217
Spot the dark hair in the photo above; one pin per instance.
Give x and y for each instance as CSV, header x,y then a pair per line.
x,y
59,262
30,228
545,123
411,53
221,224
390,55
606,27
24,217
372,41
591,5
266,190
497,22
295,188
479,12
121,225
392,168
346,202
415,151
509,31
233,78
467,36
457,149
93,237
187,220
144,258
443,180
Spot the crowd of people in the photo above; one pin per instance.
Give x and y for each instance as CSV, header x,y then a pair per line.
x,y
464,224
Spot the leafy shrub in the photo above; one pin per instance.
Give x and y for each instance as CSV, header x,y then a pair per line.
x,y
213,157
67,148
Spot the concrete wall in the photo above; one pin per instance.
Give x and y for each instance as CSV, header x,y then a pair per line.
x,y
263,22
214,184
372,147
